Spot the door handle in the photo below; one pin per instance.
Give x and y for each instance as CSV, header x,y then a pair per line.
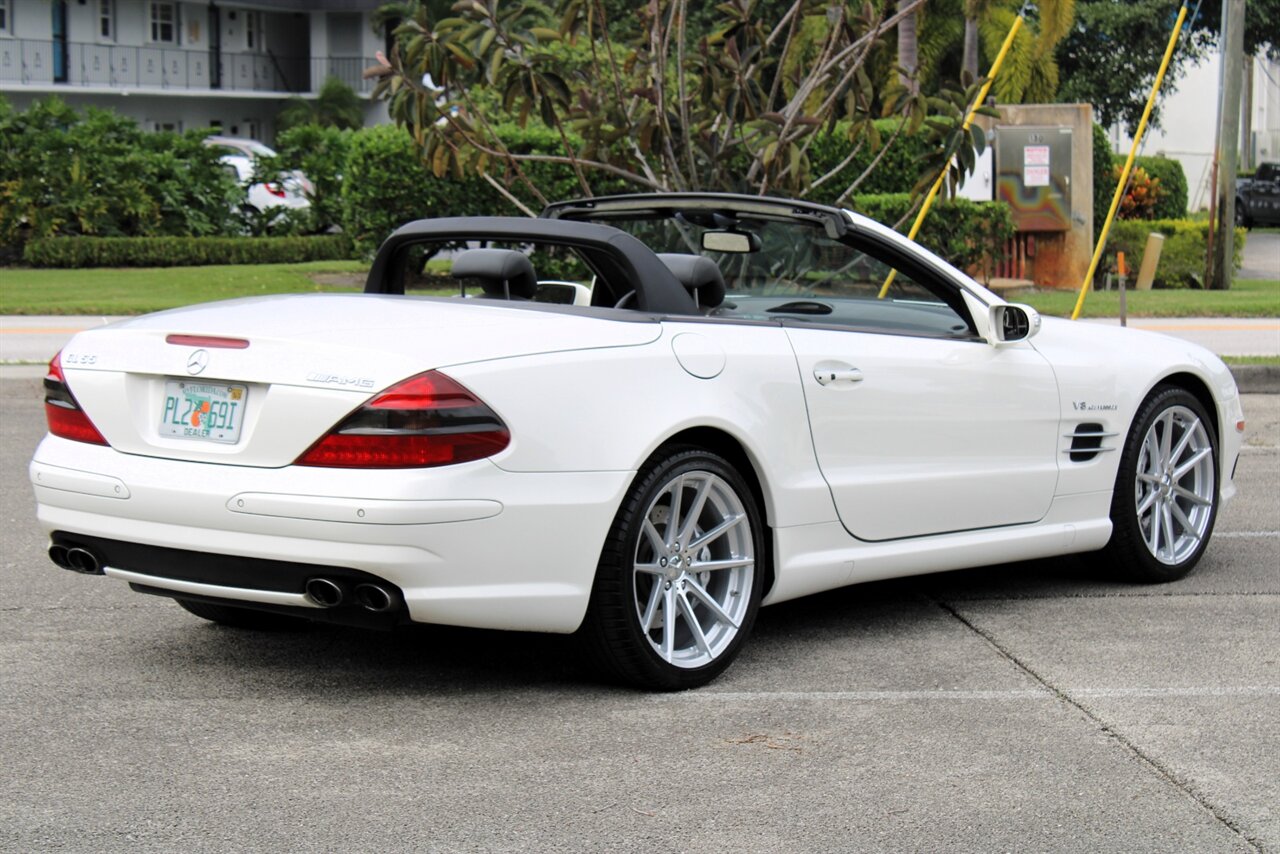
x,y
827,376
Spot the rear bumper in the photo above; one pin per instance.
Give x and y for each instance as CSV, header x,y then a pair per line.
x,y
469,545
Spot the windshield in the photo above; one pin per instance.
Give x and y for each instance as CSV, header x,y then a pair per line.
x,y
791,268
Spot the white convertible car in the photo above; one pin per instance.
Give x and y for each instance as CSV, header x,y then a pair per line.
x,y
639,418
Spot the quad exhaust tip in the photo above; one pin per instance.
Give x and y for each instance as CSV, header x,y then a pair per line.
x,y
324,592
374,597
76,559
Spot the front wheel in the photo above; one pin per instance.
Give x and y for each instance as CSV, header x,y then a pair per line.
x,y
1166,495
1242,217
679,580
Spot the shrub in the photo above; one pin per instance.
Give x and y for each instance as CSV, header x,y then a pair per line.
x,y
1182,260
384,186
1104,183
320,152
1172,203
66,173
897,171
182,251
1142,195
967,234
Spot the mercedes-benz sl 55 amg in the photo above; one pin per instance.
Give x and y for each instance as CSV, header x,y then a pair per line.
x,y
637,418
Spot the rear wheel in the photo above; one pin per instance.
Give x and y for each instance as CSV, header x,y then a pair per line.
x,y
1166,496
1242,216
679,580
244,618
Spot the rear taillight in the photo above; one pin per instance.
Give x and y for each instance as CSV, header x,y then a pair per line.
x,y
274,188
427,420
65,417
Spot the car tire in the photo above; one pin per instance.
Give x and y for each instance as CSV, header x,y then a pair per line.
x,y
244,618
657,620
1165,500
1242,217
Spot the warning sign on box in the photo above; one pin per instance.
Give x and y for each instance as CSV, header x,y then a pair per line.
x,y
1035,155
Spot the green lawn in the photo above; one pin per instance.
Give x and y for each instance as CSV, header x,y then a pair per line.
x,y
1247,298
139,290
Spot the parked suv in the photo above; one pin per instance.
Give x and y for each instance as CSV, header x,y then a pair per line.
x,y
1258,198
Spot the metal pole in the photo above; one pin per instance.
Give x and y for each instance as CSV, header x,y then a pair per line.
x,y
1228,153
1128,164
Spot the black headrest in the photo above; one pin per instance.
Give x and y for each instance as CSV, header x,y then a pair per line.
x,y
699,275
498,271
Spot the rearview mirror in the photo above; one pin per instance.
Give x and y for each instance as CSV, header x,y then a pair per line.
x,y
1011,323
730,241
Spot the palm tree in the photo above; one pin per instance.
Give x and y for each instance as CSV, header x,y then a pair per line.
x,y
336,105
1030,72
908,48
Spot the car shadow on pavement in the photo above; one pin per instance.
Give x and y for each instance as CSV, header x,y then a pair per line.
x,y
432,660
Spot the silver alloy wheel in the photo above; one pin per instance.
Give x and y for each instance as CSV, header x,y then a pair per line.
x,y
693,570
1174,485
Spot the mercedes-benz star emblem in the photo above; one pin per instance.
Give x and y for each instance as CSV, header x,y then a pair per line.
x,y
197,362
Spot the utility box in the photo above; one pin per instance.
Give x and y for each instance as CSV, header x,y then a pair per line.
x,y
1033,176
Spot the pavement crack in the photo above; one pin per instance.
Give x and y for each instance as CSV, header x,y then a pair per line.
x,y
1152,764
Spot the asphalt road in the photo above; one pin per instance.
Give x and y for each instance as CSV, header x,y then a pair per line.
x,y
1036,706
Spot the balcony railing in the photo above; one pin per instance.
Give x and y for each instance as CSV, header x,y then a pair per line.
x,y
35,62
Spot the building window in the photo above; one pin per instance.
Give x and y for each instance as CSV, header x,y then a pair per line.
x,y
253,31
164,23
106,19
166,126
4,16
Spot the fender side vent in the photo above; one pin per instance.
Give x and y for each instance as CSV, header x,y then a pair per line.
x,y
1088,440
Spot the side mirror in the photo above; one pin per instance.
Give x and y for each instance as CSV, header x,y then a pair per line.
x,y
1011,323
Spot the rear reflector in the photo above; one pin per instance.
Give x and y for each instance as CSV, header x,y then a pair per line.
x,y
207,341
427,420
61,410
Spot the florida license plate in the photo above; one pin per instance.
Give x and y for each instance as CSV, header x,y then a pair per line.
x,y
213,412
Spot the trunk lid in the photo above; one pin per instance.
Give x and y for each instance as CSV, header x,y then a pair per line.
x,y
310,360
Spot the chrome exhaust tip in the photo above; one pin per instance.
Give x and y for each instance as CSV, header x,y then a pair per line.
x,y
374,597
324,592
58,554
83,560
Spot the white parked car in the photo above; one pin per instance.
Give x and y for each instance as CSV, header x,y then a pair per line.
x,y
735,418
290,189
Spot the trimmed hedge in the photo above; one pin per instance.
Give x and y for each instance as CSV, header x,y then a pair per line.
x,y
182,251
967,234
1182,259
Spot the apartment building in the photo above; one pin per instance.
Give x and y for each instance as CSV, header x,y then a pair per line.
x,y
177,66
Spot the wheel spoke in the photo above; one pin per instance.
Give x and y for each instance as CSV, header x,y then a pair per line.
x,y
1153,531
1187,527
1191,496
1152,448
1151,498
712,605
655,599
1199,455
1189,433
1166,436
656,542
673,521
1166,522
715,532
649,568
1149,478
668,624
691,521
691,620
712,565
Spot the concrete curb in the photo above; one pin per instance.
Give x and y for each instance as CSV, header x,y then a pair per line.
x,y
1257,379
